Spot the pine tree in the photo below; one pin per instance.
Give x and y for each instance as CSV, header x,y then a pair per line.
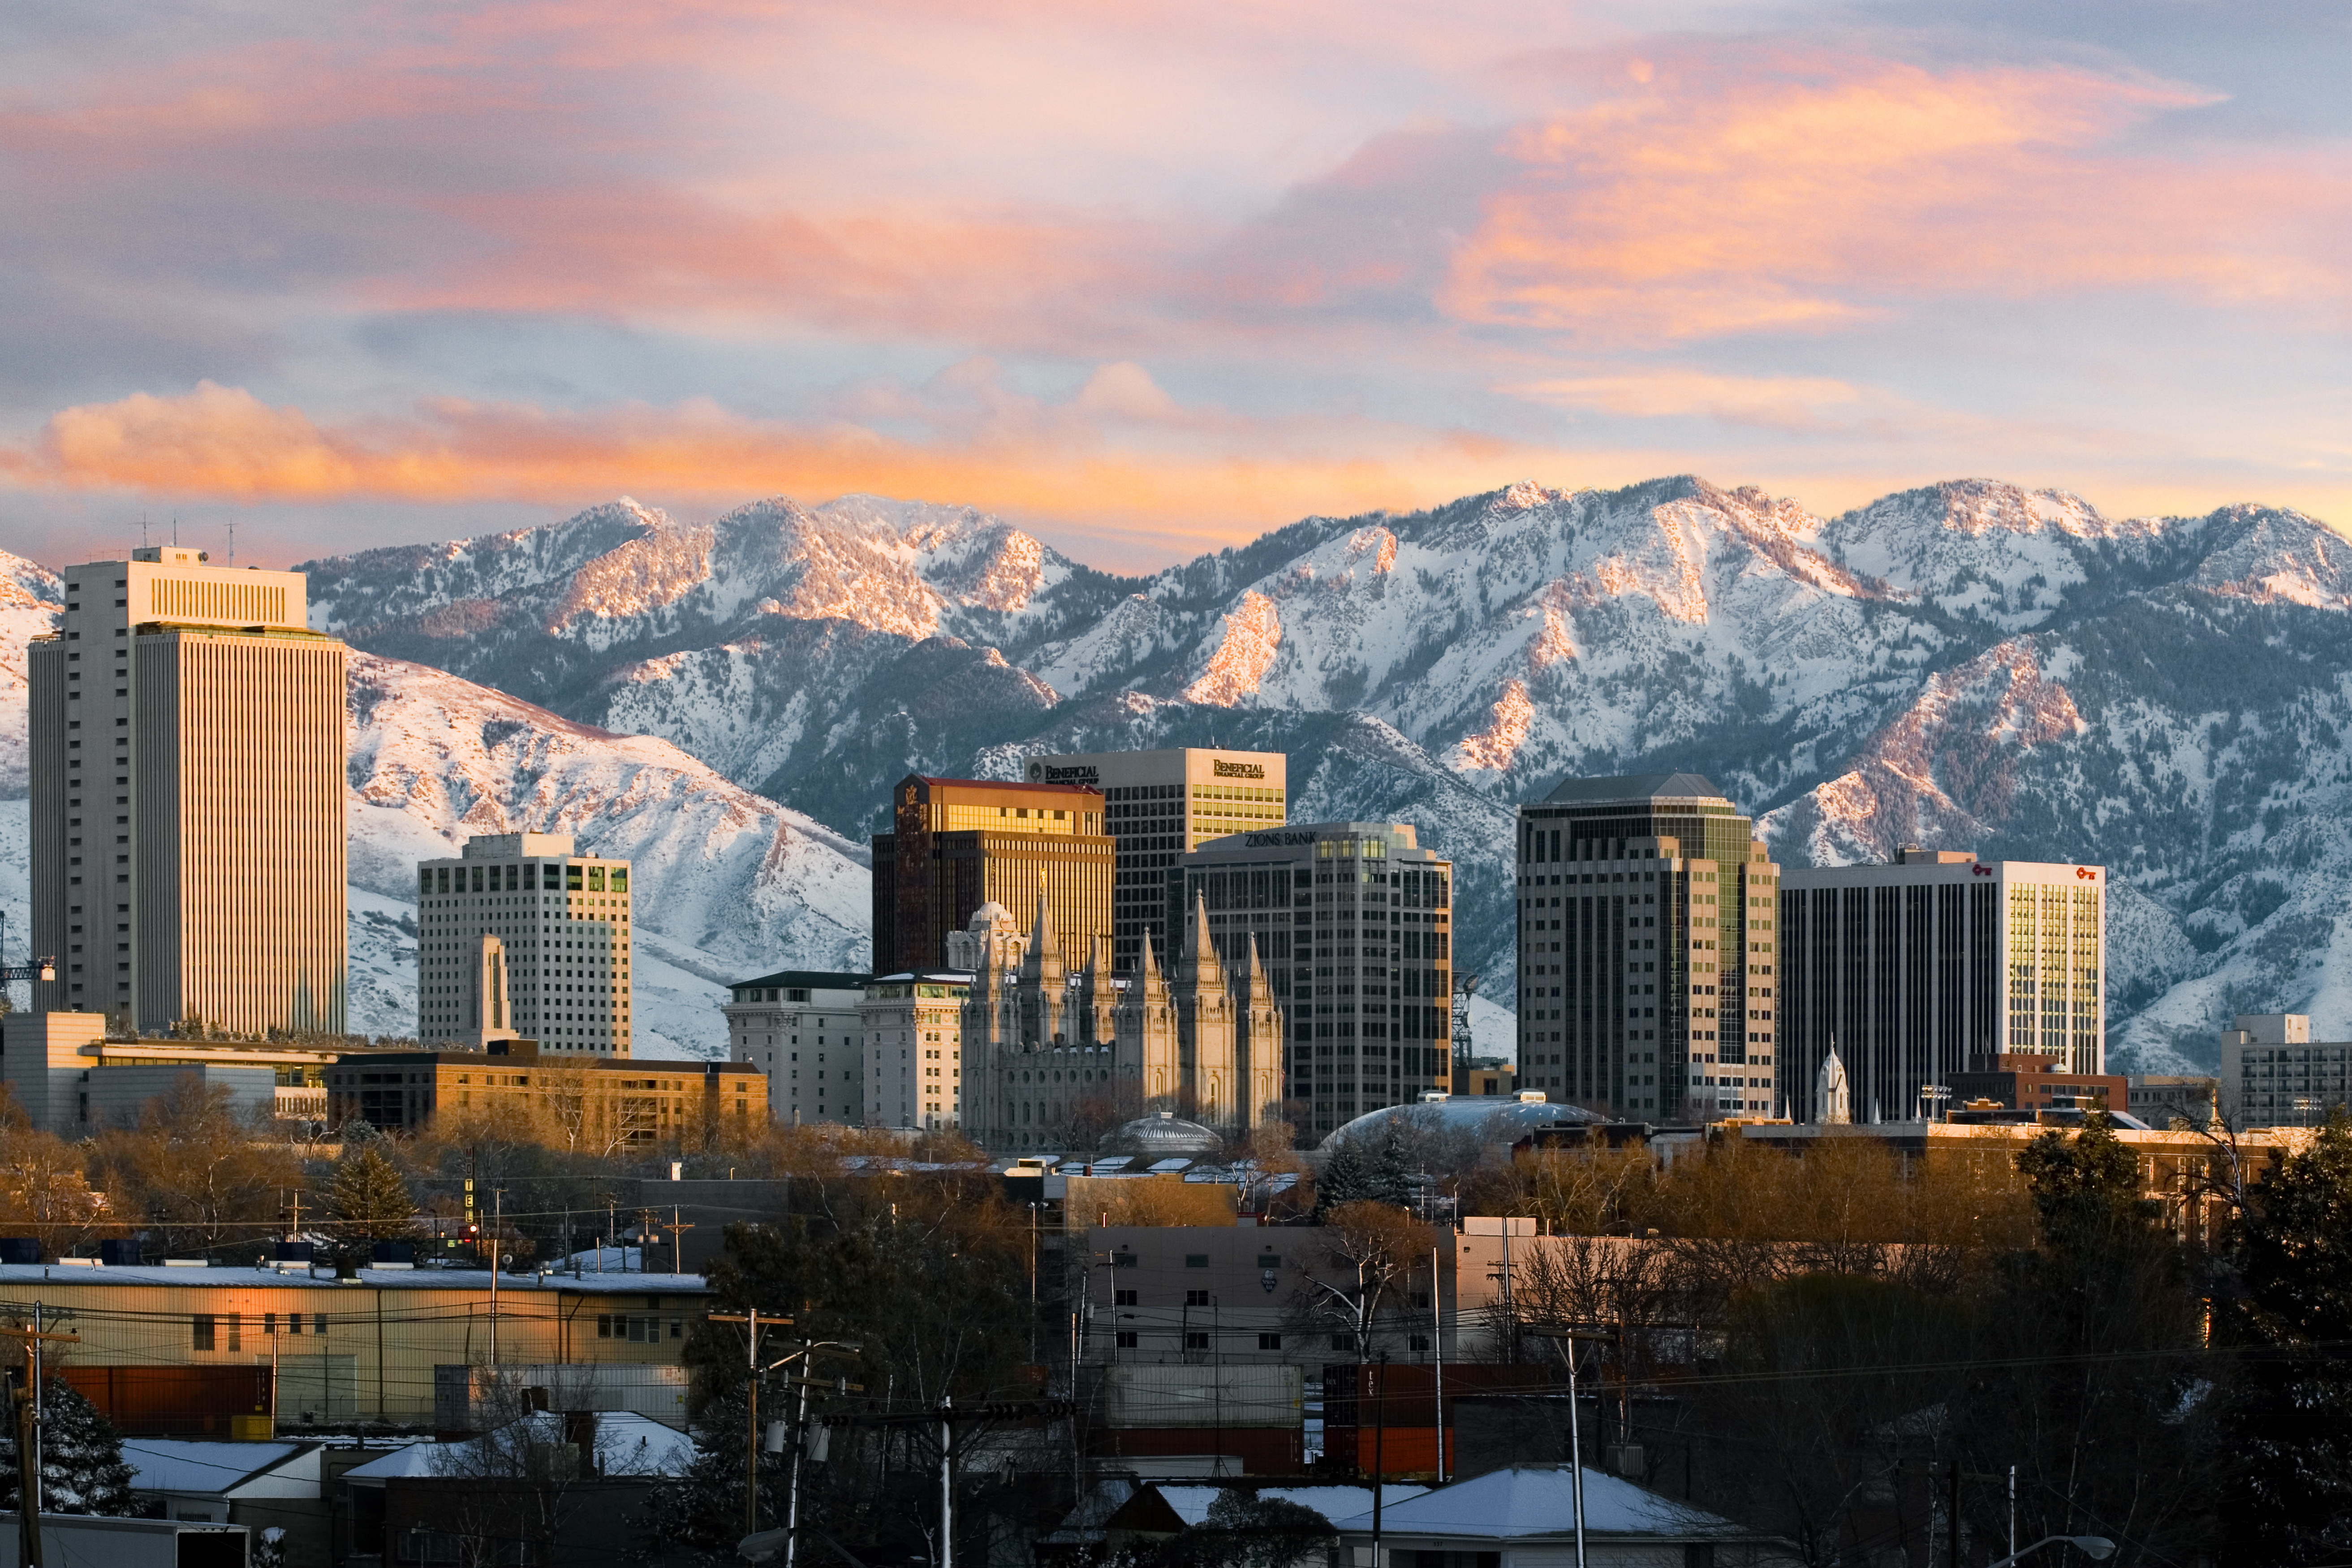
x,y
1390,1181
370,1200
2292,1501
82,1458
1343,1179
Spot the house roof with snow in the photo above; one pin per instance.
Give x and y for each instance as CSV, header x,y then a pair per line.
x,y
1191,1504
1538,1502
221,1469
627,1444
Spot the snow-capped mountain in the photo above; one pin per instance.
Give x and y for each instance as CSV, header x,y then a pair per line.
x,y
1970,664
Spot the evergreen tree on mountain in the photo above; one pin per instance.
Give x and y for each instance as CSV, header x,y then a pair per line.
x,y
82,1470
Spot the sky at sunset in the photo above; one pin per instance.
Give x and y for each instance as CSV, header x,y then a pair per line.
x,y
1153,278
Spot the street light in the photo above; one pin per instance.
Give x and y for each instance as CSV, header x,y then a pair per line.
x,y
1575,1440
2097,1548
807,1354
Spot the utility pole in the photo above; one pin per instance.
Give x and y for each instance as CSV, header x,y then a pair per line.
x,y
807,1357
947,1482
1575,1437
498,1216
29,1438
1380,1456
751,1418
1437,1345
677,1239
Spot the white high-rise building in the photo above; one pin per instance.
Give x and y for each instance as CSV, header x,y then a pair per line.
x,y
2273,1074
187,800
800,1027
912,1024
551,923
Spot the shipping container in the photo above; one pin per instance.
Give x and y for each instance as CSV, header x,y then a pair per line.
x,y
171,1401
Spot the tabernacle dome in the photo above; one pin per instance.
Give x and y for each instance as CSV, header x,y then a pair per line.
x,y
1498,1119
1165,1136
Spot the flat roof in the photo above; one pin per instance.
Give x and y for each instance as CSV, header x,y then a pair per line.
x,y
1633,789
236,1277
808,980
1015,785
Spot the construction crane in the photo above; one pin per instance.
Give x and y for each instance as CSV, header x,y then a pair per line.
x,y
1464,986
37,969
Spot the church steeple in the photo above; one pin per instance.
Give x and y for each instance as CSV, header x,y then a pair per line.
x,y
1198,969
1042,966
1149,986
1257,990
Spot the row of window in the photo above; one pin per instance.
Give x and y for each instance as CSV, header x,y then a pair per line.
x,y
526,877
225,1330
1198,1340
638,1329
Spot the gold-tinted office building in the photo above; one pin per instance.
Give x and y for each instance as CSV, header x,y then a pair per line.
x,y
187,799
958,843
1158,806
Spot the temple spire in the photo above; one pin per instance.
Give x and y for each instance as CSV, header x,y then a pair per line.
x,y
1199,966
1043,963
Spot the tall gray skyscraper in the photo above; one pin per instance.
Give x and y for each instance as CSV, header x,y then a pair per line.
x,y
1354,923
187,784
1646,910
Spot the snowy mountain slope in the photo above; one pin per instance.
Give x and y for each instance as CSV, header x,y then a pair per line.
x,y
1970,663
30,596
726,882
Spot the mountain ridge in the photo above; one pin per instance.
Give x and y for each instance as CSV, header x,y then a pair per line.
x,y
1967,659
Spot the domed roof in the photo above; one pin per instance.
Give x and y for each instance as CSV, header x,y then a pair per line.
x,y
1165,1136
993,916
1498,1119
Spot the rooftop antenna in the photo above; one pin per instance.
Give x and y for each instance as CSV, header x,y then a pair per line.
x,y
143,531
232,542
175,533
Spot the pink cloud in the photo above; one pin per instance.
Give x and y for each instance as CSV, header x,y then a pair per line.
x,y
1817,191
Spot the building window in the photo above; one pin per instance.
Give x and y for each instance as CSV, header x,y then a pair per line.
x,y
1122,1297
1196,1261
1124,1338
1196,1297
1269,1341
1196,1340
202,1334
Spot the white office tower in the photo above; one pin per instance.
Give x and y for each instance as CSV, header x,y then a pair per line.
x,y
800,1028
559,924
2273,1074
1934,964
1159,806
187,800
